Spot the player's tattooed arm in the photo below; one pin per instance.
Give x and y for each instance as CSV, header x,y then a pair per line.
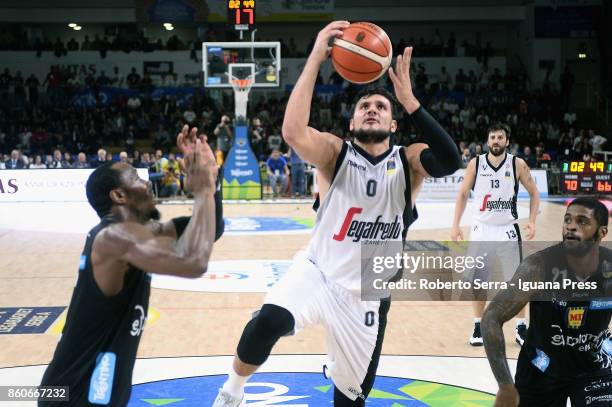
x,y
506,304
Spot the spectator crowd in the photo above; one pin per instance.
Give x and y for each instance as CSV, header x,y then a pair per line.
x,y
41,127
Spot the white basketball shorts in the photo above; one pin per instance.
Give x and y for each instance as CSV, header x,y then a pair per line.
x,y
352,326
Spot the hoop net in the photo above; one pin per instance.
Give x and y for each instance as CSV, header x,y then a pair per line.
x,y
241,87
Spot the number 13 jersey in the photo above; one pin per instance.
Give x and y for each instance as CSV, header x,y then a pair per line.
x,y
495,190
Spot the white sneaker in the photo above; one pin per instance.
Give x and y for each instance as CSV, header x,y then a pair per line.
x,y
225,399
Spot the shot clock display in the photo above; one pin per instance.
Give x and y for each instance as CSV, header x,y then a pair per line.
x,y
241,13
586,177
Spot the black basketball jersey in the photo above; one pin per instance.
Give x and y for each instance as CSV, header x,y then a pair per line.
x,y
569,338
96,353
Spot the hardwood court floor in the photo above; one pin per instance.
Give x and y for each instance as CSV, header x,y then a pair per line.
x,y
39,269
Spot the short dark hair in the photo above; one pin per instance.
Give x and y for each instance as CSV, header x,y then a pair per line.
x,y
499,126
600,210
372,90
104,179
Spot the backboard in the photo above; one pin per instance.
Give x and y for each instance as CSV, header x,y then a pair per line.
x,y
222,61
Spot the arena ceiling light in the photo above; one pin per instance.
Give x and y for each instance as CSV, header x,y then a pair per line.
x,y
168,26
72,25
77,28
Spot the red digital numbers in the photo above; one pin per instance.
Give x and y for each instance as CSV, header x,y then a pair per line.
x,y
241,12
251,19
571,185
603,186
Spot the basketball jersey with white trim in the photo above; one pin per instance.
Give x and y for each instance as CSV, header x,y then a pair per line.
x,y
495,190
368,200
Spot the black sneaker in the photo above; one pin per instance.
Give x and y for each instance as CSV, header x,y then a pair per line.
x,y
476,338
521,334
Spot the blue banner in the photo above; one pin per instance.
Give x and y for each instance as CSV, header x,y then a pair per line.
x,y
566,22
86,97
175,11
241,178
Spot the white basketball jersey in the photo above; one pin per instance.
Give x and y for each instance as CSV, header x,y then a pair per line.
x,y
368,200
495,191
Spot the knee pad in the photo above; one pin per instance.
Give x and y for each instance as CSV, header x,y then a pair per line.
x,y
262,332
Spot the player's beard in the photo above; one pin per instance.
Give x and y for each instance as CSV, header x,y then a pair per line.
x,y
582,247
371,136
500,151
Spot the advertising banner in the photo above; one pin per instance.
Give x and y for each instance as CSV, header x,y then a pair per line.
x,y
47,185
448,187
241,178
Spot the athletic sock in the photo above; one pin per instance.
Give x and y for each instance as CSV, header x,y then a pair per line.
x,y
235,384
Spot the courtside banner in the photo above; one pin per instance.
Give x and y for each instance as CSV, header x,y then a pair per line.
x,y
241,178
448,187
47,185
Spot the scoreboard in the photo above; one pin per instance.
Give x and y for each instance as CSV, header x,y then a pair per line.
x,y
594,177
241,13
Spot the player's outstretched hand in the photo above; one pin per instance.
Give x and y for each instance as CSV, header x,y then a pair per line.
x,y
185,140
321,49
456,234
507,396
199,161
400,76
530,230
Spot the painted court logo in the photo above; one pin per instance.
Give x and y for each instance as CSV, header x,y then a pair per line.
x,y
300,390
249,276
376,230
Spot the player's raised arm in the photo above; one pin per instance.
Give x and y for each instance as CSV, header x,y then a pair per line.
x,y
442,157
136,244
506,304
320,149
525,178
462,197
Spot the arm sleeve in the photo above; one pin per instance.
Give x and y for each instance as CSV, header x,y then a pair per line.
x,y
219,221
181,222
442,157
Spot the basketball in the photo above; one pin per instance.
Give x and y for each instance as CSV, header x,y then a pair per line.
x,y
363,54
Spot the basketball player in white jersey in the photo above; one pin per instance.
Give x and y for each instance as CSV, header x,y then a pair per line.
x,y
367,191
494,178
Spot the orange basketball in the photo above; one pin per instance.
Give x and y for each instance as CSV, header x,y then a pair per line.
x,y
363,53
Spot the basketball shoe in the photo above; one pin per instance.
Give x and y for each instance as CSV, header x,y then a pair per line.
x,y
476,338
224,399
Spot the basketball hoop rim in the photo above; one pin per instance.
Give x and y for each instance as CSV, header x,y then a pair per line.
x,y
242,85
